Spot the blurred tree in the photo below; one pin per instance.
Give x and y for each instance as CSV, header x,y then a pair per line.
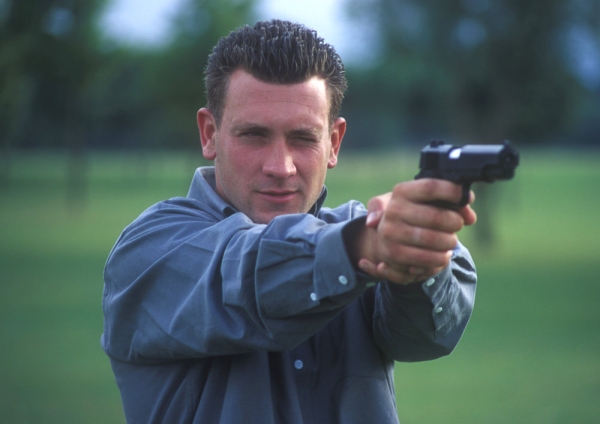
x,y
58,71
149,97
197,29
63,85
477,70
469,71
47,52
47,56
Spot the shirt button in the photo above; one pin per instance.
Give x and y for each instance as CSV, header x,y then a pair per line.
x,y
298,364
313,296
438,309
343,280
430,282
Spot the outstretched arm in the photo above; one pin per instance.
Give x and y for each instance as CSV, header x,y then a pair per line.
x,y
407,240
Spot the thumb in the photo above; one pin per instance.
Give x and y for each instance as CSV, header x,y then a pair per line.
x,y
375,209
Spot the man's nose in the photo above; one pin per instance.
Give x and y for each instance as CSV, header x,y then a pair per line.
x,y
279,161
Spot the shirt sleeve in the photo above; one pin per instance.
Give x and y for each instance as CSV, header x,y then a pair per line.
x,y
181,283
426,320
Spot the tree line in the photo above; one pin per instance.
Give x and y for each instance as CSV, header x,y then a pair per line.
x,y
470,71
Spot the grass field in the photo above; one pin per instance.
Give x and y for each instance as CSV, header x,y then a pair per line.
x,y
531,353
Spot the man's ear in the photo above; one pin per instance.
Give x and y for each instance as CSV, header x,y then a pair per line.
x,y
207,127
336,137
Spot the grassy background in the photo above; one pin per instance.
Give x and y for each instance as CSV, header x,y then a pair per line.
x,y
531,353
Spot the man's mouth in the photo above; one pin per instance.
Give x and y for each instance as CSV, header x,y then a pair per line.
x,y
278,196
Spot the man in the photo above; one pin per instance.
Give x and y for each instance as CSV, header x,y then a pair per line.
x,y
249,302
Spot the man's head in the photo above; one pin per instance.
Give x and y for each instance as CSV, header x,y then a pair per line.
x,y
277,52
271,124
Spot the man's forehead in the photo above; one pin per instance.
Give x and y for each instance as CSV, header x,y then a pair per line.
x,y
241,77
246,90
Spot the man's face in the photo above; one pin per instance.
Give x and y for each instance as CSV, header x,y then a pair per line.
x,y
273,147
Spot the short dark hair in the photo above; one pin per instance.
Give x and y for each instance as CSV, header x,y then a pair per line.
x,y
275,51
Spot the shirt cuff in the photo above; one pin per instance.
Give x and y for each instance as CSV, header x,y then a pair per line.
x,y
335,274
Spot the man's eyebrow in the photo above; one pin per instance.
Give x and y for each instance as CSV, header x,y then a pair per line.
x,y
249,126
261,129
305,132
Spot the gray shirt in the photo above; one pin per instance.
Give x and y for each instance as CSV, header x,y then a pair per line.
x,y
210,318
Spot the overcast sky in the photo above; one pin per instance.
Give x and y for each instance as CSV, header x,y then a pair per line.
x,y
147,21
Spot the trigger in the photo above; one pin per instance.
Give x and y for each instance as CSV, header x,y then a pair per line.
x,y
466,193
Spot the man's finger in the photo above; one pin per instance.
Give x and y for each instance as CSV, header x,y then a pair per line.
x,y
375,209
427,190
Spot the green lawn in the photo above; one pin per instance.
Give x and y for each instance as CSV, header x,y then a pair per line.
x,y
531,353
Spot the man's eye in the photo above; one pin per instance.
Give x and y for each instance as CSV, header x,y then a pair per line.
x,y
251,135
305,139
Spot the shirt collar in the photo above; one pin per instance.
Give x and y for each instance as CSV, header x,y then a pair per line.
x,y
203,189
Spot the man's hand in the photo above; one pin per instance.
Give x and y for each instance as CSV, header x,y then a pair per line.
x,y
408,240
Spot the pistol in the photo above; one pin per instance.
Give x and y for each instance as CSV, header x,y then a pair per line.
x,y
467,164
